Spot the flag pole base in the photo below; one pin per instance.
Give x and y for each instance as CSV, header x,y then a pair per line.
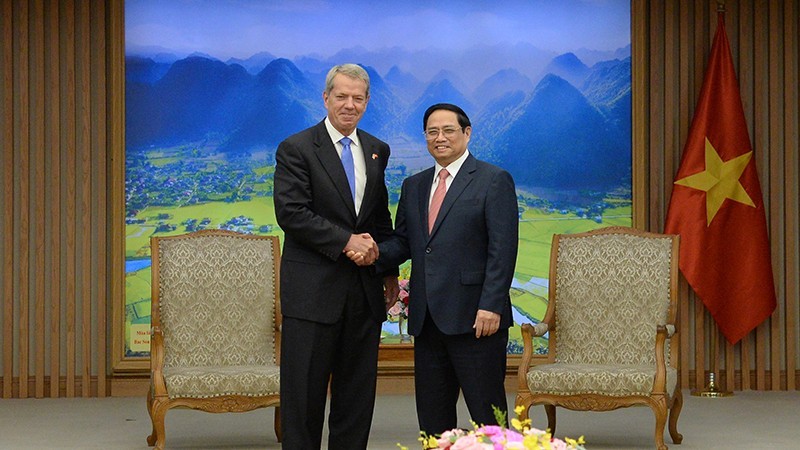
x,y
711,389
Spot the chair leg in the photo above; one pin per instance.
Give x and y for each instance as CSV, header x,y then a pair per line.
x,y
278,423
660,410
674,412
550,410
158,411
524,401
151,440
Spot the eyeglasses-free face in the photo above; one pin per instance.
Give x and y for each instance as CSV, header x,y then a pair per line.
x,y
447,140
346,102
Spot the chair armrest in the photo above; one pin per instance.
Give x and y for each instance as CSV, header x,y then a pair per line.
x,y
669,329
159,386
660,379
540,329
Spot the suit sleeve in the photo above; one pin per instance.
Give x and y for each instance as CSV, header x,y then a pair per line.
x,y
383,217
293,205
395,250
502,224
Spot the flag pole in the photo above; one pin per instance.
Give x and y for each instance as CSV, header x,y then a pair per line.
x,y
711,389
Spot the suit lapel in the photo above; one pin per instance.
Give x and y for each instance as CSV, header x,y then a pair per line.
x,y
332,163
426,182
461,181
373,169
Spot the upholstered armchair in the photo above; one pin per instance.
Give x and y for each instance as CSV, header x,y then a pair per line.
x,y
215,325
611,320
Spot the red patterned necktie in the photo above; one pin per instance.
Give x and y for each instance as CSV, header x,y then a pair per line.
x,y
438,197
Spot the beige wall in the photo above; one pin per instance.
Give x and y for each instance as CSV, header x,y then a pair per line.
x,y
61,193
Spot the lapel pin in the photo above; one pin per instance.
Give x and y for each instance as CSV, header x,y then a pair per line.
x,y
374,156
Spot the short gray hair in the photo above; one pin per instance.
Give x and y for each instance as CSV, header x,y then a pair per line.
x,y
350,70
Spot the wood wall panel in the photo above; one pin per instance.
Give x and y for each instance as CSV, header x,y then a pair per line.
x,y
54,181
7,195
764,42
62,175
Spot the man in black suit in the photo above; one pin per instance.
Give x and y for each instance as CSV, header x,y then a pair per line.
x,y
330,198
458,222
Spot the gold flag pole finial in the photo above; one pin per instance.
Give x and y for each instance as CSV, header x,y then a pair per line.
x,y
721,6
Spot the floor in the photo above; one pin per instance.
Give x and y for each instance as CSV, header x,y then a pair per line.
x,y
746,420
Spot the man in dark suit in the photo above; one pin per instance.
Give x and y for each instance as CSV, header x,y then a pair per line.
x,y
458,222
330,198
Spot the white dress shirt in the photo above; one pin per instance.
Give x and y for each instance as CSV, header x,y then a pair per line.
x,y
358,159
452,171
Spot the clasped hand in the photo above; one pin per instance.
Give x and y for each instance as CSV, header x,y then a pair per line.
x,y
362,249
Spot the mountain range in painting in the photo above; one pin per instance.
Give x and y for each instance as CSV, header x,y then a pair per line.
x,y
566,127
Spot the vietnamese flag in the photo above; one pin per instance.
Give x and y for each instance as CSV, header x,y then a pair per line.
x,y
716,205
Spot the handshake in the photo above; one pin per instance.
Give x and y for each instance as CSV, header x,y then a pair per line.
x,y
361,249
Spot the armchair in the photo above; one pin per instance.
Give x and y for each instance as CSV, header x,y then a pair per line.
x,y
611,320
215,325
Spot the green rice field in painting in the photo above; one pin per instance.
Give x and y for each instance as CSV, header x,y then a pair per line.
x,y
175,197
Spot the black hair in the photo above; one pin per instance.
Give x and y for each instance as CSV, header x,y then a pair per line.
x,y
463,120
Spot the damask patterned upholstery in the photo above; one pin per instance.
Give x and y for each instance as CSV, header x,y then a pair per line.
x,y
216,325
217,316
610,317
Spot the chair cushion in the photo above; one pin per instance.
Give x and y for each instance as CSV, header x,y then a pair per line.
x,y
613,380
214,381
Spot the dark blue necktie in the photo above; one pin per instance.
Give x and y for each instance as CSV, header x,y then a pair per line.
x,y
347,162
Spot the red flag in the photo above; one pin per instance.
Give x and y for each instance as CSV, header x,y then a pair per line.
x,y
716,205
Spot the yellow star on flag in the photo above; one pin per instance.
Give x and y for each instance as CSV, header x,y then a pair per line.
x,y
719,181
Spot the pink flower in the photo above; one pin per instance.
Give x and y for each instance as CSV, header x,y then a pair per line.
x,y
396,309
449,437
499,436
470,442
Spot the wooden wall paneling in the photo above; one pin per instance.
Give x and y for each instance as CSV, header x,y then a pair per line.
x,y
84,149
760,145
69,161
99,156
116,75
791,120
684,112
672,100
53,148
639,99
699,48
62,131
745,56
22,195
37,124
776,151
657,109
7,155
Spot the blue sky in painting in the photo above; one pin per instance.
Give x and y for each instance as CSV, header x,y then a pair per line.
x,y
293,28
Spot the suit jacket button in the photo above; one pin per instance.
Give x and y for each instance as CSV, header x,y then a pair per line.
x,y
428,250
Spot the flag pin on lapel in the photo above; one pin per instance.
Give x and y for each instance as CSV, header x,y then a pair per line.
x,y
374,156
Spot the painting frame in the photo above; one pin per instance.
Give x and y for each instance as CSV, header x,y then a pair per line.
x,y
396,359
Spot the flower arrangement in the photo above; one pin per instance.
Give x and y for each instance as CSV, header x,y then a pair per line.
x,y
400,308
499,437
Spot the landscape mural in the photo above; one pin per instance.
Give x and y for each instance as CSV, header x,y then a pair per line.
x,y
213,87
